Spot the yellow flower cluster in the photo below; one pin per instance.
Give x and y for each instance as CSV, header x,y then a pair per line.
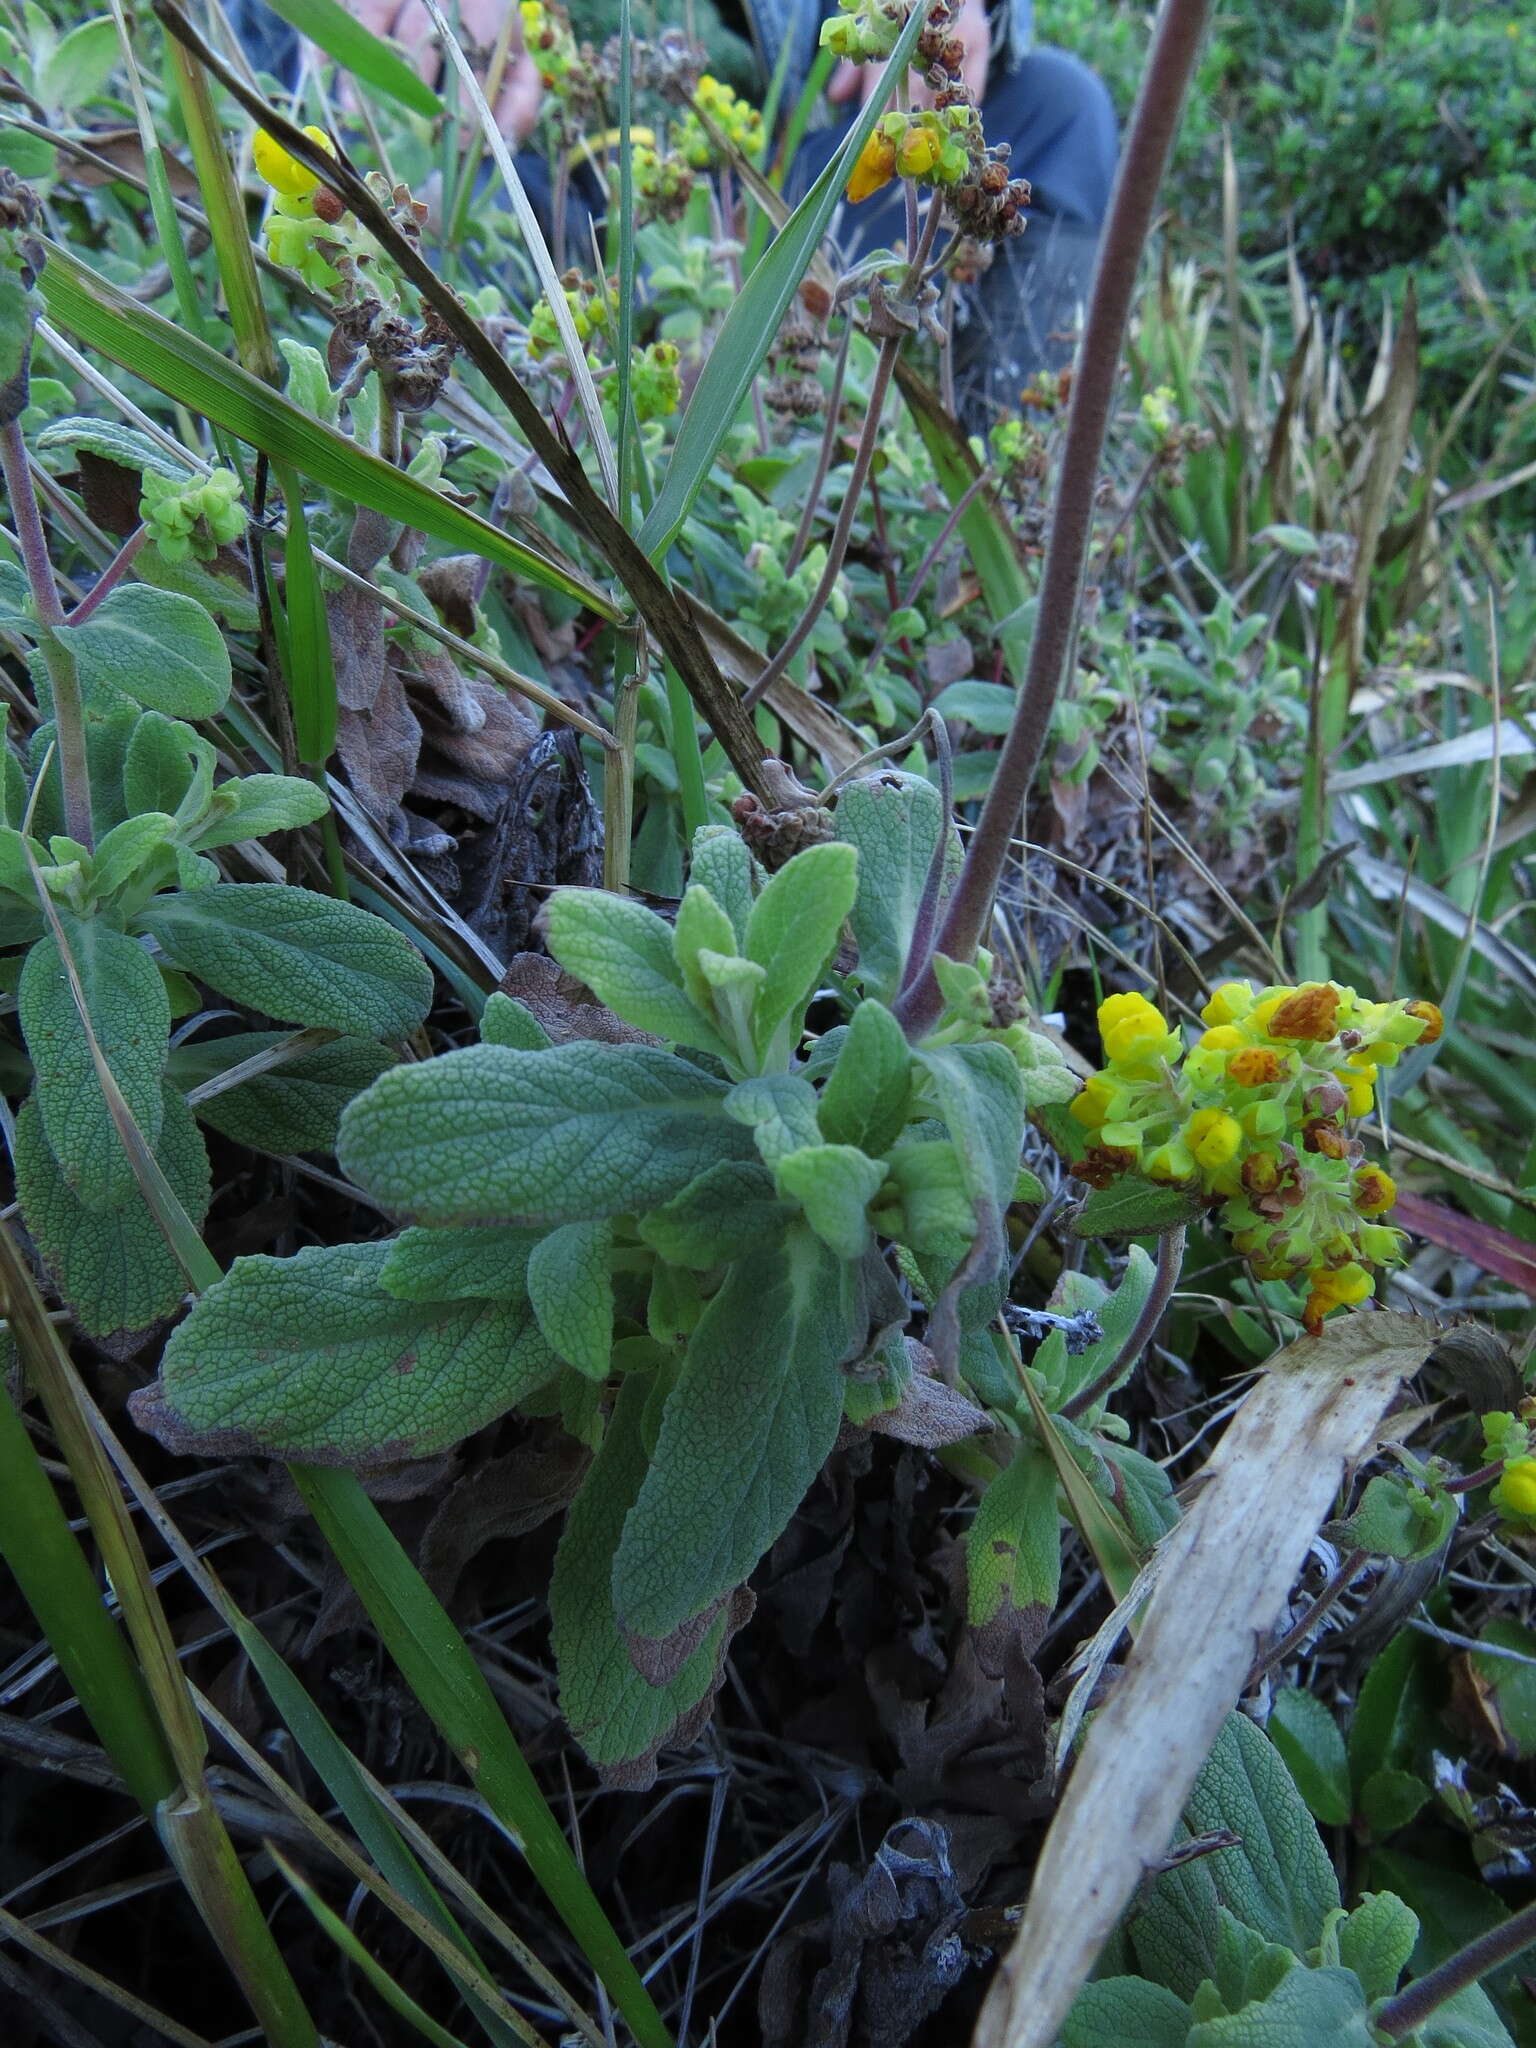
x,y
936,145
549,42
1254,1115
304,227
738,122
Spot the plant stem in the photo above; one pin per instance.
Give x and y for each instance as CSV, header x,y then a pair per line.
x,y
110,577
63,675
864,455
619,764
1170,1259
798,545
1412,2006
1338,1583
1148,142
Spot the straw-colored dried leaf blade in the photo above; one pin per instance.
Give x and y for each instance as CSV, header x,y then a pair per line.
x,y
1225,1571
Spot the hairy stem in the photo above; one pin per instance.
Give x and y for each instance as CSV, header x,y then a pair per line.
x,y
1412,2006
110,577
58,658
1148,142
802,537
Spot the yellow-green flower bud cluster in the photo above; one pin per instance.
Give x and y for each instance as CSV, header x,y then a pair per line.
x,y
655,381
663,183
740,124
865,30
192,515
549,42
939,146
975,1010
1255,1116
588,308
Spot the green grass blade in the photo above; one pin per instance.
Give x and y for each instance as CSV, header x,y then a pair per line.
x,y
49,1566
437,1664
358,50
750,326
186,369
397,1999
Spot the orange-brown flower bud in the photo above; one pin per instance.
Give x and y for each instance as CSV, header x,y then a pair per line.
x,y
1311,1013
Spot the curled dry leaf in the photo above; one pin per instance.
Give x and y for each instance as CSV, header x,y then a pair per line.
x,y
1225,1571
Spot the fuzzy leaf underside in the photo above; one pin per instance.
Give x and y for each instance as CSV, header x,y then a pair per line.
x,y
894,821
295,956
309,1357
113,1266
162,650
748,1425
565,1136
130,1015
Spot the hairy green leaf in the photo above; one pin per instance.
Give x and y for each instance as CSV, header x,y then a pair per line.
x,y
623,952
834,1185
613,1712
1308,1738
162,650
1128,2012
468,1262
728,1211
309,1357
894,820
1135,1207
571,1289
113,1266
1376,1941
780,1112
251,806
564,1136
294,1107
505,1021
130,1015
302,958
1013,1546
748,1425
869,1090
792,933
161,763
721,863
1306,2009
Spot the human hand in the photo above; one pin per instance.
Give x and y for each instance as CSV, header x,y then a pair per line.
x,y
851,80
407,23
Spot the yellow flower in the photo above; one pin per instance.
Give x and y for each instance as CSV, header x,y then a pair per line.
x,y
1375,1191
917,152
1131,1028
1256,1067
876,167
1213,1137
1090,1105
284,173
1343,1286
1222,1038
1309,1012
1516,1490
1234,999
1359,1097
1430,1016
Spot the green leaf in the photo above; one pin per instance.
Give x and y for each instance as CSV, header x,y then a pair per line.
x,y
298,957
979,1095
792,933
721,863
356,49
294,1107
79,65
749,1424
1117,1314
564,1136
505,1021
1396,1721
253,805
160,765
127,850
834,1185
475,1262
1307,2009
571,1289
1397,1518
1135,1207
1013,1546
701,926
728,1211
113,1266
755,316
1308,1738
1128,2012
163,651
188,370
987,707
869,1091
1389,1800
1376,1940
117,442
614,1713
309,1357
779,1110
623,952
130,1015
894,821
1278,1881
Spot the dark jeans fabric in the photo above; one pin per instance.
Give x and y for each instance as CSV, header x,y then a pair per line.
x,y
1022,315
